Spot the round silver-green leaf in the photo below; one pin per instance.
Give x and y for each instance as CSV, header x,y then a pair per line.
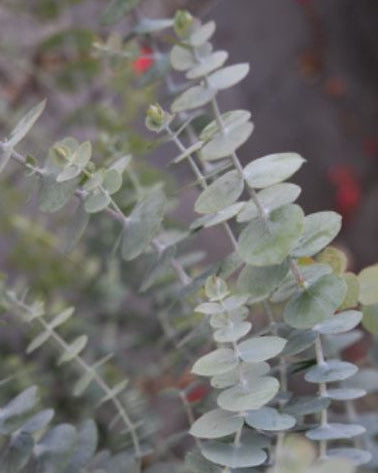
x,y
224,144
331,371
319,230
340,323
268,418
215,424
270,199
262,348
266,243
228,76
216,362
259,281
249,372
272,169
314,304
220,194
355,456
207,65
252,396
233,456
194,97
335,431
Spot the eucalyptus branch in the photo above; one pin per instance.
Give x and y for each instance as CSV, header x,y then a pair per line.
x,y
110,394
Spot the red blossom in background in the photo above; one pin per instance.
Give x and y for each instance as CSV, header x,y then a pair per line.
x,y
348,189
144,61
197,393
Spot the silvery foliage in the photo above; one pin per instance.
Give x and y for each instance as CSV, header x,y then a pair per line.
x,y
281,257
284,264
30,443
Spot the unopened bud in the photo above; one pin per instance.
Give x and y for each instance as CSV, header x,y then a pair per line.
x,y
157,118
182,23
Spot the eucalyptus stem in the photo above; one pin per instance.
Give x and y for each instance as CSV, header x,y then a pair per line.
x,y
106,389
189,414
201,179
322,392
116,212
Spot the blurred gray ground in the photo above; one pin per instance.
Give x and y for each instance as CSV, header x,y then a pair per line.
x,y
313,89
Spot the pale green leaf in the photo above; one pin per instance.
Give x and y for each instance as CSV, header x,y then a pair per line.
x,y
368,279
25,124
228,76
345,394
194,97
267,418
352,291
112,181
38,341
319,230
148,25
202,34
270,199
209,308
370,318
73,350
85,447
250,372
224,144
266,243
262,348
54,195
216,362
355,456
208,64
289,286
182,58
159,268
243,455
216,288
259,282
253,396
230,120
298,341
339,323
38,421
335,258
220,194
188,152
272,169
114,391
97,201
62,317
55,448
313,305
330,371
83,382
68,173
18,406
232,333
223,215
75,228
335,431
307,405
215,424
143,224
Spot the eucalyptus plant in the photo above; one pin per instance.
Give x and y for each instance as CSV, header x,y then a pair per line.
x,y
281,303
